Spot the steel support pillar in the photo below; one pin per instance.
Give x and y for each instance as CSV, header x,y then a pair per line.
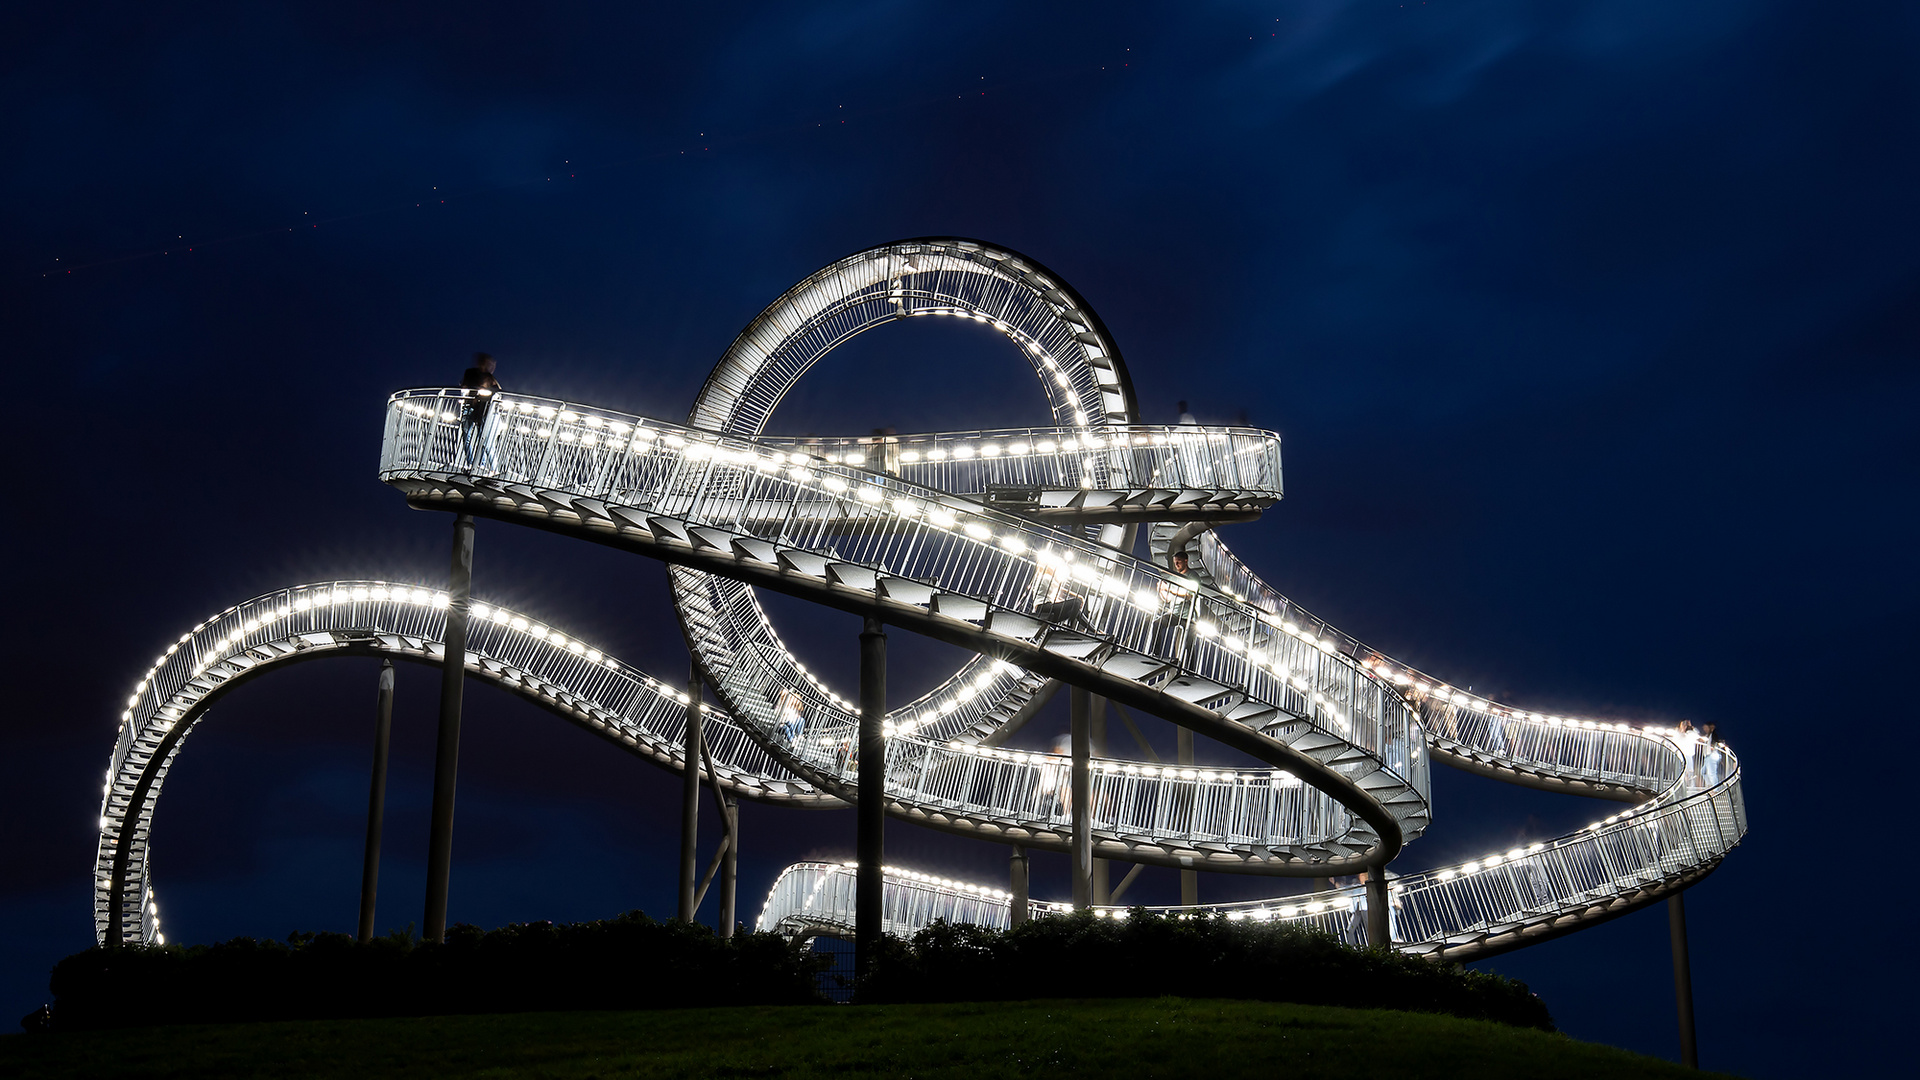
x,y
871,811
1082,796
1379,919
730,870
1189,879
446,757
1018,865
376,800
1682,979
1097,744
690,797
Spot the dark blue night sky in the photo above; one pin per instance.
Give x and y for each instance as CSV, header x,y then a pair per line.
x,y
1593,330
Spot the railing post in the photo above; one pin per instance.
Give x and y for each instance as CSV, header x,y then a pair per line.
x,y
690,796
730,869
376,800
1018,866
1082,794
871,809
1189,879
446,758
1682,979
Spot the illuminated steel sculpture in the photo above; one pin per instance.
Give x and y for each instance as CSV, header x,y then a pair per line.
x,y
1017,545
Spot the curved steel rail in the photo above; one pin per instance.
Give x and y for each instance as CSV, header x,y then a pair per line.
x,y
1014,545
1350,772
1468,911
562,674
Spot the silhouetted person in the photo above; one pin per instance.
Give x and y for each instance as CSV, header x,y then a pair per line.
x,y
1688,740
1185,416
480,386
1711,753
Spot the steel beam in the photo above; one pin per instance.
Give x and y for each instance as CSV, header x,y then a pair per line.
x,y
690,798
446,758
1081,736
1189,879
869,885
376,800
1018,866
1097,741
1682,978
730,870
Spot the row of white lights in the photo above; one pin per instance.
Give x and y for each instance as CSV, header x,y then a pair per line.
x,y
336,596
1420,686
918,878
1169,772
1022,338
995,671
614,433
1146,600
1441,692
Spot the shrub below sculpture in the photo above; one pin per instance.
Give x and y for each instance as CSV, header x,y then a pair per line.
x,y
1148,955
634,962
628,962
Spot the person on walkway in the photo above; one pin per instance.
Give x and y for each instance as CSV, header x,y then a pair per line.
x,y
1056,779
1688,740
1496,729
1355,931
1176,603
793,716
480,386
1712,753
1192,455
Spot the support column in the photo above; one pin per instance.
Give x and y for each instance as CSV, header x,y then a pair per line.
x,y
1097,743
871,811
376,800
1189,879
1682,979
1018,865
730,870
1081,738
1379,924
690,796
446,758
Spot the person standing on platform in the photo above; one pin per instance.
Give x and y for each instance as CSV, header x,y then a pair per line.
x,y
1711,753
480,386
1688,740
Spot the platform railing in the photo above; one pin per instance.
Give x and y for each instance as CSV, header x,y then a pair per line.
x,y
1224,650
1242,463
1501,900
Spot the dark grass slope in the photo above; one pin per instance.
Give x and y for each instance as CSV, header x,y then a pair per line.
x,y
1140,1038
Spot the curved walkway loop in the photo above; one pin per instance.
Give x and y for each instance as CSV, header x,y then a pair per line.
x,y
1015,544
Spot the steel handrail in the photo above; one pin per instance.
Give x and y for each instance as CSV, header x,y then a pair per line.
x,y
1004,541
1211,649
526,656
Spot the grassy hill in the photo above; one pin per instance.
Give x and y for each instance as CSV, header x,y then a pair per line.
x,y
1165,1037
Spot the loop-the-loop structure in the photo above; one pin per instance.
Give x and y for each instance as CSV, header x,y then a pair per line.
x,y
1081,554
